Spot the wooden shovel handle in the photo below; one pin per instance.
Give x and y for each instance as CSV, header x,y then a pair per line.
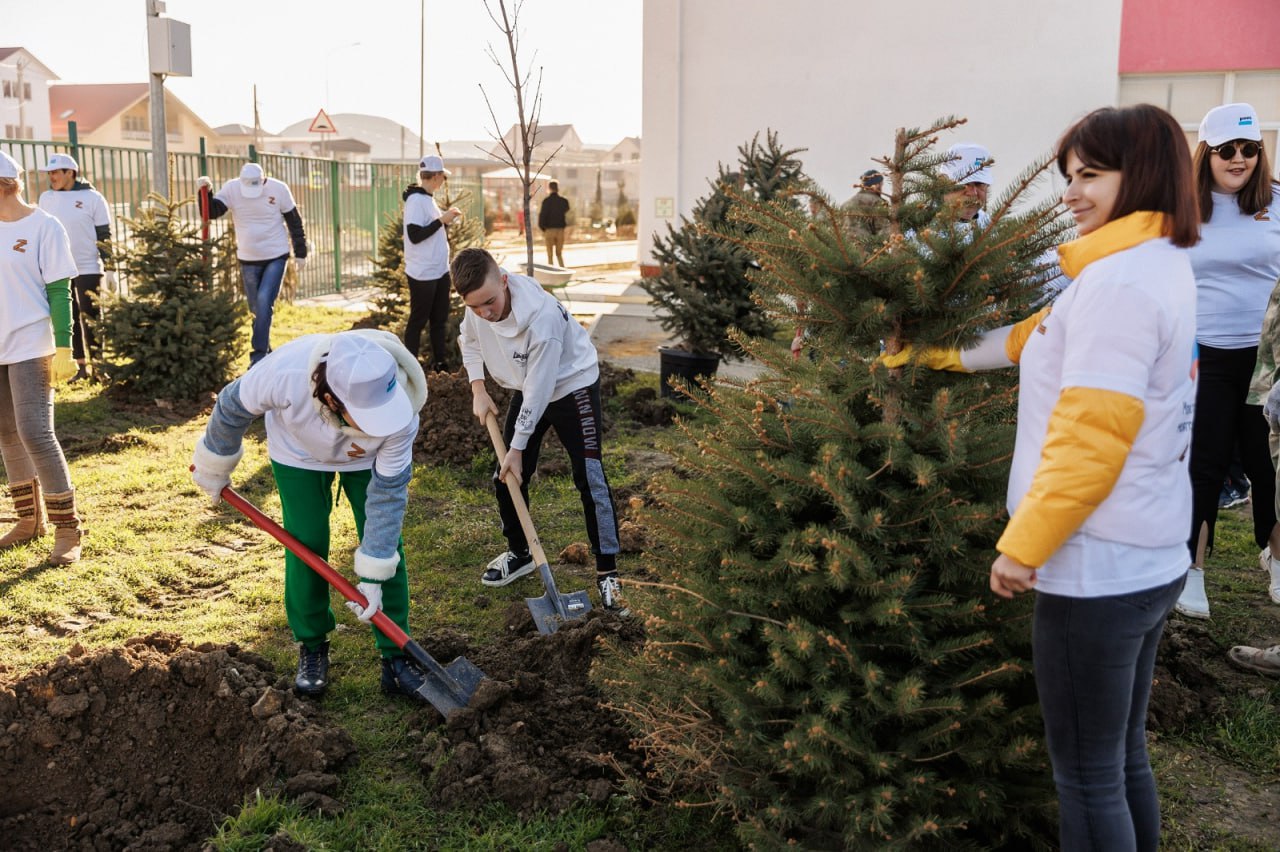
x,y
526,523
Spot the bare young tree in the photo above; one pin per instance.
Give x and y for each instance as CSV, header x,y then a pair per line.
x,y
518,151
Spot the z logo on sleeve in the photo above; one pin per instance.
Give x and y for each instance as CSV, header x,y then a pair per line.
x,y
20,246
79,205
1261,215
271,199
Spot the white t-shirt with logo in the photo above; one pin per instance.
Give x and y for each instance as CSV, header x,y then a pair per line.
x,y
34,251
261,233
429,259
1126,324
279,387
81,212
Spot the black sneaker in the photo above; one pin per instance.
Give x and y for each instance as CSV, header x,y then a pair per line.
x,y
1232,496
506,568
313,671
611,594
399,677
82,375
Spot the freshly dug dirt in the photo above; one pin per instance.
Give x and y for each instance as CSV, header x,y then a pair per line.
x,y
534,735
449,434
147,746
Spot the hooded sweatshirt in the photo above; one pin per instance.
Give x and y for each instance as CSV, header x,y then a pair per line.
x,y
539,350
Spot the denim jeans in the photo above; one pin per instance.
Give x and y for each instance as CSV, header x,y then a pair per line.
x,y
27,442
261,286
1094,659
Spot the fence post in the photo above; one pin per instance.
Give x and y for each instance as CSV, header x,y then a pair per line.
x,y
204,157
253,153
377,209
73,136
335,206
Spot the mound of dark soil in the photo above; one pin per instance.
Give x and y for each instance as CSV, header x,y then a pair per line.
x,y
148,746
1193,679
534,735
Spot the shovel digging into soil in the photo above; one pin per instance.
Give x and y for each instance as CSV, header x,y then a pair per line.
x,y
553,608
446,688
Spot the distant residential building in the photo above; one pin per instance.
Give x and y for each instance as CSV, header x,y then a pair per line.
x,y
24,95
119,114
235,139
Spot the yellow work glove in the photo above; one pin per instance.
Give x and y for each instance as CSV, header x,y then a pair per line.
x,y
63,367
934,359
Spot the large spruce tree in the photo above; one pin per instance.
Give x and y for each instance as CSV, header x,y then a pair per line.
x,y
825,662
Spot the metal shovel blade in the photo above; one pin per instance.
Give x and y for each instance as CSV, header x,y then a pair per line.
x,y
553,608
446,688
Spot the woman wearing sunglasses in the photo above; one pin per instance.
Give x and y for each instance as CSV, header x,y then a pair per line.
x,y
1236,264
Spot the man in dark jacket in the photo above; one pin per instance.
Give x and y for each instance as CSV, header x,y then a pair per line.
x,y
552,220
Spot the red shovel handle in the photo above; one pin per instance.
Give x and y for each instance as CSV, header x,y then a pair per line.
x,y
315,563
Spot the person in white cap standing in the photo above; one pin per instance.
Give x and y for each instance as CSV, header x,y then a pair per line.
x,y
266,221
1236,264
341,406
969,167
426,260
36,266
84,213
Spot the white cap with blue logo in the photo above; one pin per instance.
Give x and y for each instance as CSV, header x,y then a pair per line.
x,y
363,377
1228,122
968,163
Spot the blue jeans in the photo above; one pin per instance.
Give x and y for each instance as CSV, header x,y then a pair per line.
x,y
261,286
1094,659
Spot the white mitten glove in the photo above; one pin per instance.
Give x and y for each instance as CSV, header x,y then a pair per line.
x,y
299,264
203,182
373,595
211,471
1271,408
109,282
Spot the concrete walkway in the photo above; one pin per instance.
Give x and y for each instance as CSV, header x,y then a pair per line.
x,y
604,294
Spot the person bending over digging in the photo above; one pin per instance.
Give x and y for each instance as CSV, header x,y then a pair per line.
x,y
336,405
532,346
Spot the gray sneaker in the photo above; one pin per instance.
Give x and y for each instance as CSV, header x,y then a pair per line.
x,y
507,568
611,594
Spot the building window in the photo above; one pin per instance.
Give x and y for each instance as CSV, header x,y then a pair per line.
x,y
1189,96
11,90
13,131
135,126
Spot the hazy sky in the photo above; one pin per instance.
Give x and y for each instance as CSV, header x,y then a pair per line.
x,y
294,50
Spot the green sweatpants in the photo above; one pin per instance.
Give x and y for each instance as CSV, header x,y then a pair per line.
x,y
306,497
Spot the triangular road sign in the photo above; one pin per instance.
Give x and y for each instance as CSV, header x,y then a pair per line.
x,y
322,124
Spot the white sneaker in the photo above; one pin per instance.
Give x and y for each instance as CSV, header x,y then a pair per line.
x,y
1272,567
1193,602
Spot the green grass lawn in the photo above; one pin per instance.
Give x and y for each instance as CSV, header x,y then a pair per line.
x,y
159,558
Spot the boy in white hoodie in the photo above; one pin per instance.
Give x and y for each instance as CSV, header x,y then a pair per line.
x,y
532,346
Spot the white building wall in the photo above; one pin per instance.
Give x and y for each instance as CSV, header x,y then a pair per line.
x,y
839,76
33,113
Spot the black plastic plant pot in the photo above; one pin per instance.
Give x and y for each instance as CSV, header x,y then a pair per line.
x,y
683,364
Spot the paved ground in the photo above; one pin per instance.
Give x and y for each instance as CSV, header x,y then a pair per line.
x,y
604,294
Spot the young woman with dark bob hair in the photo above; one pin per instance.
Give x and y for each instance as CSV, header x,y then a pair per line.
x,y
1099,492
1236,265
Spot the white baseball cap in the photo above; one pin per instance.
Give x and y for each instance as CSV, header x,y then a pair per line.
x,y
363,377
1230,121
432,163
60,161
968,163
9,167
252,180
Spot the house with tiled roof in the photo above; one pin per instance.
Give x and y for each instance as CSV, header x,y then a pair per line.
x,y
119,114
